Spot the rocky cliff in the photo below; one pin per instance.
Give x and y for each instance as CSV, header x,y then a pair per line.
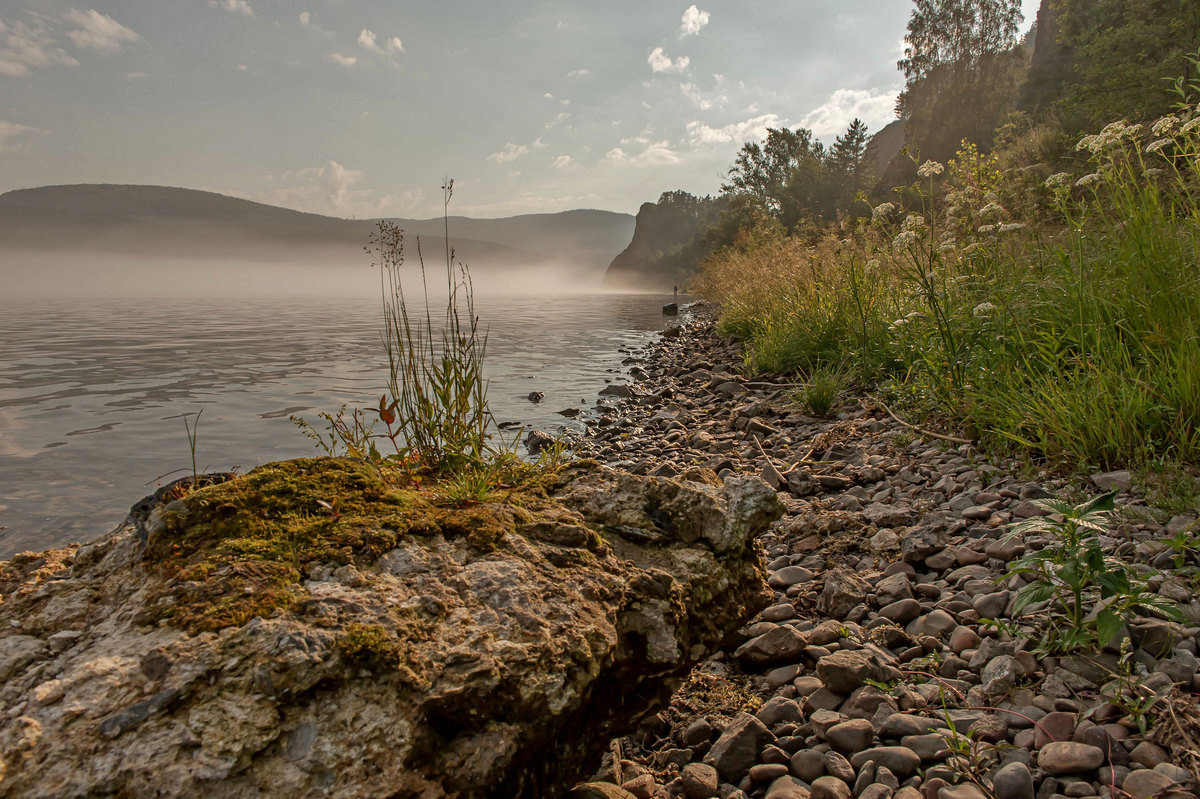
x,y
310,629
663,253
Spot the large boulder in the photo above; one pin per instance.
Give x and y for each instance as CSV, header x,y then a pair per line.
x,y
312,630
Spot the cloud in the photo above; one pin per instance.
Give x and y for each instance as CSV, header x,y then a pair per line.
x,y
693,93
693,20
655,153
700,134
579,73
511,152
24,47
12,130
235,6
99,32
368,41
562,162
659,61
875,107
341,60
306,20
330,189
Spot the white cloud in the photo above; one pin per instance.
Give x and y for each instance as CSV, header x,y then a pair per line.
x,y
24,47
511,152
306,20
330,189
655,153
235,6
659,61
693,20
368,41
702,101
538,144
342,60
562,162
700,134
12,130
579,73
99,32
875,107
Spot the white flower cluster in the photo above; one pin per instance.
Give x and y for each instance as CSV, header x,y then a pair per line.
x,y
1088,179
991,208
1009,227
1058,180
982,309
904,241
883,211
1157,145
929,169
914,222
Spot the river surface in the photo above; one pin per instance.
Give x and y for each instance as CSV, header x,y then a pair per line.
x,y
93,393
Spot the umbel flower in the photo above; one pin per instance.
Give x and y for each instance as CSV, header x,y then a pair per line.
x,y
929,169
882,211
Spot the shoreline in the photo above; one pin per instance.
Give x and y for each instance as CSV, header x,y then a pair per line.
x,y
891,551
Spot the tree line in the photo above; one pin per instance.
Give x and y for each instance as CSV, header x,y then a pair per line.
x,y
968,76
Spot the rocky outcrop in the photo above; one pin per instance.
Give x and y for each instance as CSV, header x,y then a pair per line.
x,y
479,652
663,252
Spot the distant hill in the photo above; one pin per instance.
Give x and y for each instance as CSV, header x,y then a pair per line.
x,y
150,220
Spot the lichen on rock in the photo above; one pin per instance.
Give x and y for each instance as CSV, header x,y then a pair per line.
x,y
316,627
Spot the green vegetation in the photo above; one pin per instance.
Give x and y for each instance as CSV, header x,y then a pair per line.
x,y
820,390
239,549
1088,594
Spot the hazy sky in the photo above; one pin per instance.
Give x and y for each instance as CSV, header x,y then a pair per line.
x,y
359,107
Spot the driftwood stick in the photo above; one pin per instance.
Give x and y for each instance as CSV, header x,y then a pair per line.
x,y
922,430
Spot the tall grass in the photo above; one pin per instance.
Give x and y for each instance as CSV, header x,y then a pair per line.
x,y
1066,325
437,414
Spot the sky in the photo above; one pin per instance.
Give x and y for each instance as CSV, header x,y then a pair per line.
x,y
360,108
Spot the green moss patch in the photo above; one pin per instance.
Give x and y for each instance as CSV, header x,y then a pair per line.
x,y
240,549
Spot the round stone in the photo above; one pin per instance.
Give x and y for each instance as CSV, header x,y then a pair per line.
x,y
1069,757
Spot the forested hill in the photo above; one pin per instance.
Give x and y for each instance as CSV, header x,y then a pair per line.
x,y
161,220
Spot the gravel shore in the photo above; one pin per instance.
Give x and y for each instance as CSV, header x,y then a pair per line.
x,y
891,664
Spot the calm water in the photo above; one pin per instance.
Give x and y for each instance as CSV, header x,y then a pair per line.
x,y
92,394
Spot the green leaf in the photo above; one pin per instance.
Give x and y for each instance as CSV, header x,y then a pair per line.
x,y
1030,594
1108,624
1103,503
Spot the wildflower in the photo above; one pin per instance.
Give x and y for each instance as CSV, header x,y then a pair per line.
x,y
982,309
1165,125
1191,125
987,228
905,240
1088,179
1011,226
1088,142
1157,145
899,323
882,211
914,222
929,169
1058,180
991,208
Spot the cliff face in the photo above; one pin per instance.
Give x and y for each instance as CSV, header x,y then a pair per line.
x,y
661,230
253,639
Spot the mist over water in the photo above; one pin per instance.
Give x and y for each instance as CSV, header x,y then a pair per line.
x,y
99,362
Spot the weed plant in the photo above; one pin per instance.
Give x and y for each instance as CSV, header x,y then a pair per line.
x,y
1059,318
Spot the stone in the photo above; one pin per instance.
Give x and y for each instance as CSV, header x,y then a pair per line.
x,y
1054,726
1013,781
599,790
699,781
963,638
782,644
830,788
778,710
736,751
851,736
936,623
789,576
483,637
1120,480
786,787
901,611
807,764
892,588
1146,783
963,791
844,671
838,766
766,772
1149,754
900,760
1069,757
842,592
880,514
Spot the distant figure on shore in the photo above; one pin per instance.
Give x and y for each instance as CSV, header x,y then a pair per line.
x,y
675,291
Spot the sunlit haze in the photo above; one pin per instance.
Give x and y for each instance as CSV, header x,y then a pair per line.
x,y
358,108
